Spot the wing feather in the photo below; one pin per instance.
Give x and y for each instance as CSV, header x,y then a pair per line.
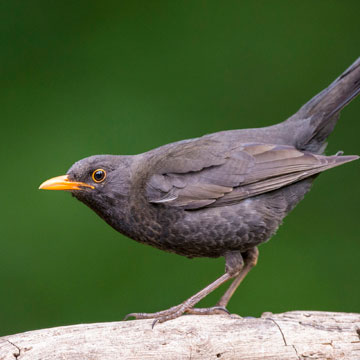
x,y
202,174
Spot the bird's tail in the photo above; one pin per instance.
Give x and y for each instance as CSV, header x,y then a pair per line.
x,y
318,117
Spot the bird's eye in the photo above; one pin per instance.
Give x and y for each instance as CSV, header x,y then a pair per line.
x,y
99,175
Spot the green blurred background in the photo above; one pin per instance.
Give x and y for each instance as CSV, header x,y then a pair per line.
x,y
86,77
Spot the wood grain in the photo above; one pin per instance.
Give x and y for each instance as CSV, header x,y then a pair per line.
x,y
291,335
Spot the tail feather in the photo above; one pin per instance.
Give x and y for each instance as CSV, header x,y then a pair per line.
x,y
337,95
321,113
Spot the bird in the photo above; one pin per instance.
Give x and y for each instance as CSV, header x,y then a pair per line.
x,y
219,195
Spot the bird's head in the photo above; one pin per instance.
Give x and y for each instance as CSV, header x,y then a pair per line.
x,y
99,181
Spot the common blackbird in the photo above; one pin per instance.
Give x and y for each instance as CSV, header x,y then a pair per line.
x,y
222,194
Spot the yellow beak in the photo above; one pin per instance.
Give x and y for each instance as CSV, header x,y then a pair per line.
x,y
63,183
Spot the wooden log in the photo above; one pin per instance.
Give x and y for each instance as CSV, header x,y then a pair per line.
x,y
291,335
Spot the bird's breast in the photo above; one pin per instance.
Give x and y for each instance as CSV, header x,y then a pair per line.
x,y
208,232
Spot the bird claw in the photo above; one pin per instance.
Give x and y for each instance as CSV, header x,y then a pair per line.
x,y
127,316
154,323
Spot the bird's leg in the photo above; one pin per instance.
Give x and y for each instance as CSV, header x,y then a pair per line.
x,y
234,264
178,310
250,260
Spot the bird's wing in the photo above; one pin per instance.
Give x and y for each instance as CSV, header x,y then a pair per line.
x,y
206,173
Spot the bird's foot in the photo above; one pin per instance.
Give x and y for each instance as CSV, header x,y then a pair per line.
x,y
215,310
160,316
186,306
176,311
155,315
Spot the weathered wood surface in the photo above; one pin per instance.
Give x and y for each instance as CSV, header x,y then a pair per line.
x,y
291,335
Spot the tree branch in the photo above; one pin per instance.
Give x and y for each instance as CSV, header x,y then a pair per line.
x,y
291,335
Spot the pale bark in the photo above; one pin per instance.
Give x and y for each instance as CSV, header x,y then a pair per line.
x,y
291,335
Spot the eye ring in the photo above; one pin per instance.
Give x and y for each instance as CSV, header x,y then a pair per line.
x,y
98,175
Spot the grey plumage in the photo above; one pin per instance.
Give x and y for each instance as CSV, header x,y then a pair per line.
x,y
223,193
188,197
